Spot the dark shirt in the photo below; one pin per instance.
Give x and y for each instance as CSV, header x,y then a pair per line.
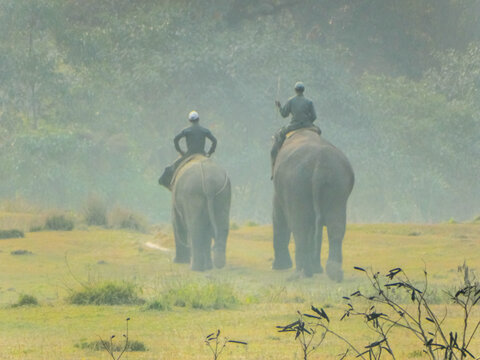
x,y
195,137
301,108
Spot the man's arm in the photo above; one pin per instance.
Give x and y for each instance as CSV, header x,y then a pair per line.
x,y
285,110
213,139
176,142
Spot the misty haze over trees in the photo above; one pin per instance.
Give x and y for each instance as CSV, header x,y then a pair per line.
x,y
92,93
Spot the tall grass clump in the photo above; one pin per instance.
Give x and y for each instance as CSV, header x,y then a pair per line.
x,y
121,218
11,234
95,211
26,300
112,347
59,222
106,293
206,296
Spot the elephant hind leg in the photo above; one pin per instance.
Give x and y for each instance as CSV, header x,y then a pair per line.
x,y
182,249
336,232
281,238
304,250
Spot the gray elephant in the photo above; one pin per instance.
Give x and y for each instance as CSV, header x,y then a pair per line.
x,y
312,182
201,196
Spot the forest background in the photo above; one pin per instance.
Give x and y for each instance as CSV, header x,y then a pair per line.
x,y
92,93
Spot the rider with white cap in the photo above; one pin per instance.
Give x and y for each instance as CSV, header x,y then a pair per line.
x,y
195,138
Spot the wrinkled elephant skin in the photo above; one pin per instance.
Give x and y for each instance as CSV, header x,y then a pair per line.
x,y
312,183
201,196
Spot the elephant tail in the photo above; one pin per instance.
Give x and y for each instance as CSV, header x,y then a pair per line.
x,y
211,216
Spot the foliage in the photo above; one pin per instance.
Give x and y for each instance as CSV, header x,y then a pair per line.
x,y
217,345
13,233
112,348
106,293
26,300
307,333
92,92
384,313
121,218
21,252
133,345
59,222
95,211
204,295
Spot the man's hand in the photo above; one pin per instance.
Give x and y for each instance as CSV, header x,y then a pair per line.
x,y
278,104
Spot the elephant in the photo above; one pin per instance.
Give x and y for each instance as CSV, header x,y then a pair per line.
x,y
201,194
312,182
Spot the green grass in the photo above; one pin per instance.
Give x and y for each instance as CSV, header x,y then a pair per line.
x,y
246,300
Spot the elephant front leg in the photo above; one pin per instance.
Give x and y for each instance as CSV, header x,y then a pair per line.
x,y
182,249
281,238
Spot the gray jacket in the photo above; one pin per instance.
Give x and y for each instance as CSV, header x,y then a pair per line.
x,y
301,108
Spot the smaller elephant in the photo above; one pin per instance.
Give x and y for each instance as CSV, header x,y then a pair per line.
x,y
201,195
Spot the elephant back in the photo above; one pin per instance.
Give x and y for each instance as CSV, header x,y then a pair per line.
x,y
202,173
187,164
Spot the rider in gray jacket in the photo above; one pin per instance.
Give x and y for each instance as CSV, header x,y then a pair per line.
x,y
303,115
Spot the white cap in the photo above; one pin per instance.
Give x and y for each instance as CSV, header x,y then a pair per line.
x,y
193,116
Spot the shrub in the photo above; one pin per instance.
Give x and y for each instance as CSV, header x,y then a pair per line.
x,y
21,252
381,313
58,222
98,345
107,293
196,296
11,234
36,228
26,300
120,218
95,211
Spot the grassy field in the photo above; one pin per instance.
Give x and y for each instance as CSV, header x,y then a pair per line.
x,y
57,264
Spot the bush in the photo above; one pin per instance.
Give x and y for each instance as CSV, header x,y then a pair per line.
x,y
107,293
58,222
26,300
98,346
36,228
21,252
95,211
121,218
196,296
11,234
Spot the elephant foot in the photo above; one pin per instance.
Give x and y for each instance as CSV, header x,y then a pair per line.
x,y
181,260
219,260
317,269
282,265
334,271
197,267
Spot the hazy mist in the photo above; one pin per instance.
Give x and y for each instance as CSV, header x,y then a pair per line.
x,y
93,92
